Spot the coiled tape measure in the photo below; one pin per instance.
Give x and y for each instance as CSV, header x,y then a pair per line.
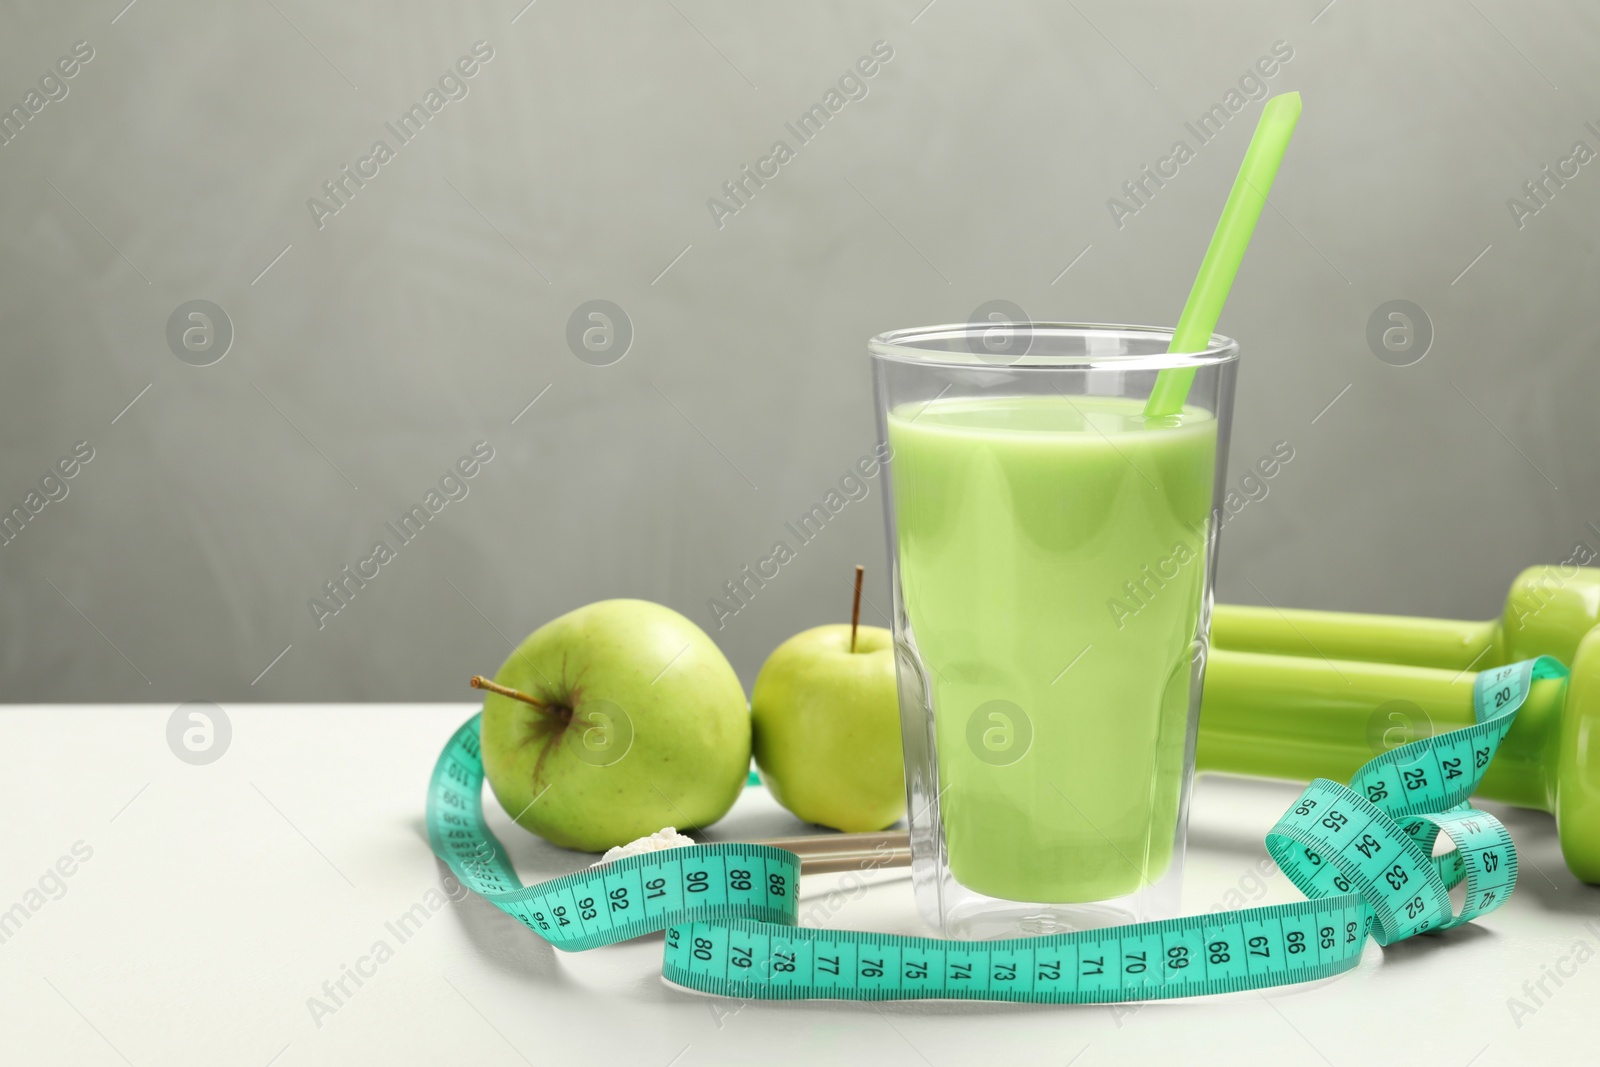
x,y
1362,854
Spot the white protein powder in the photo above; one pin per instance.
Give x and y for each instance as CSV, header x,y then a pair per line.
x,y
667,837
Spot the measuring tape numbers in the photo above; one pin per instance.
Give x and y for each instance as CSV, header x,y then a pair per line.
x,y
1363,854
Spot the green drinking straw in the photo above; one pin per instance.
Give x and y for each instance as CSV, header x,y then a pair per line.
x,y
1227,247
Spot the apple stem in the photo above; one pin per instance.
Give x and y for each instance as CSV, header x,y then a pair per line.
x,y
480,682
855,612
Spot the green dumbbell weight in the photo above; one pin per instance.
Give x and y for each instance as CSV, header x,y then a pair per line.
x,y
1300,717
1548,611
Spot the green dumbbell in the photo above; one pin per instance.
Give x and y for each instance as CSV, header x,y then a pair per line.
x,y
1548,611
1300,717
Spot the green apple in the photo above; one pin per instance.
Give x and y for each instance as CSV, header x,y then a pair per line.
x,y
827,728
632,720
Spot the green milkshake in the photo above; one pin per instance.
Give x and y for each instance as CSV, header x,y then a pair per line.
x,y
1052,557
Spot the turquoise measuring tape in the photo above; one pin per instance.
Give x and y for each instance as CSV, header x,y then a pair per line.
x,y
1362,854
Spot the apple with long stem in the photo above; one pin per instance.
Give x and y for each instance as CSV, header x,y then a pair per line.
x,y
826,717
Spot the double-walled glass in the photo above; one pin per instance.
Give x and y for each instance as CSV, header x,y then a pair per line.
x,y
1052,550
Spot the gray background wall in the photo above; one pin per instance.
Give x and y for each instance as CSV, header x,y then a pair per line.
x,y
433,307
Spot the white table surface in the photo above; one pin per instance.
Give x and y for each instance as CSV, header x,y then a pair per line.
x,y
218,899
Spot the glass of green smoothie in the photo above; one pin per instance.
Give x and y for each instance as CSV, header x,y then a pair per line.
x,y
1053,550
